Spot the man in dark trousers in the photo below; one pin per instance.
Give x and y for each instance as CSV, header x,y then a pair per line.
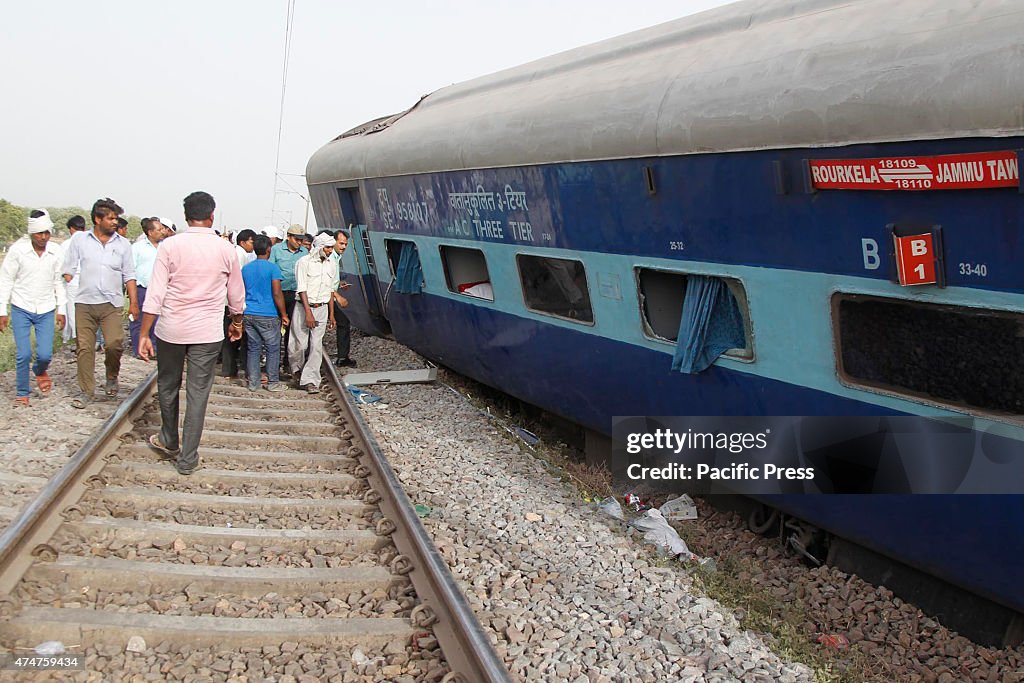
x,y
285,255
343,329
233,354
193,275
144,252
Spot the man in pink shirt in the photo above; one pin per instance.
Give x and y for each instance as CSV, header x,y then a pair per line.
x,y
193,274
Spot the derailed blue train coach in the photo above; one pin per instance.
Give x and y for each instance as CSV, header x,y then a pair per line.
x,y
833,186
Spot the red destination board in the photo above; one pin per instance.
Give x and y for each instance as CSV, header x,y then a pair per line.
x,y
915,259
948,172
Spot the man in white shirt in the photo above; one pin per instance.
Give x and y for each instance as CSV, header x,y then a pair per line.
x,y
31,282
316,277
144,254
74,224
244,247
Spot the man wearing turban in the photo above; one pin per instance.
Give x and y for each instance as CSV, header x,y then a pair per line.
x,y
316,277
32,286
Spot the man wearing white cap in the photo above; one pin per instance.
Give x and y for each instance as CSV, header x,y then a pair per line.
x,y
316,278
168,225
275,234
31,282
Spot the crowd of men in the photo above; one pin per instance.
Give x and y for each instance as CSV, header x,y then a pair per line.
x,y
191,295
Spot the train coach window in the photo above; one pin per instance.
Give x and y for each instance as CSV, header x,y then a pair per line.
x,y
394,251
465,272
661,301
555,286
717,321
964,357
404,259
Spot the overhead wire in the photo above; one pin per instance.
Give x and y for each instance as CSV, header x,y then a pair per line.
x,y
293,188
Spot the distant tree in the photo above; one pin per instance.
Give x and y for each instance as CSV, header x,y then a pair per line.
x,y
13,221
134,226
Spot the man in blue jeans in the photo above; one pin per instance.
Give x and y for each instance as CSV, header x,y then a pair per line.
x,y
30,281
264,315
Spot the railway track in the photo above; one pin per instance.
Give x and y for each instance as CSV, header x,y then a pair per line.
x,y
295,530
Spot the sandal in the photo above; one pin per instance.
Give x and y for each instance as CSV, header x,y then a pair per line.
x,y
111,388
165,453
44,383
21,401
81,401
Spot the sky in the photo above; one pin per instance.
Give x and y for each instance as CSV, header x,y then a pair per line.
x,y
145,102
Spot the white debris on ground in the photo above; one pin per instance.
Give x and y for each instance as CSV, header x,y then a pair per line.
x,y
564,596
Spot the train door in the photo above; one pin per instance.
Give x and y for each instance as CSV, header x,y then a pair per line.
x,y
365,263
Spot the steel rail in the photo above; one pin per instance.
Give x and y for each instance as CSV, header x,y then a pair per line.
x,y
23,530
463,641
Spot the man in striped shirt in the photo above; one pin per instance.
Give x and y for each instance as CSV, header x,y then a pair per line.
x,y
103,260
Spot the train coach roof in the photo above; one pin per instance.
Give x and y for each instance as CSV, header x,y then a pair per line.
x,y
758,74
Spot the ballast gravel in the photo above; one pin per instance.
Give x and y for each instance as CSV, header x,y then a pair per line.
x,y
563,597
36,441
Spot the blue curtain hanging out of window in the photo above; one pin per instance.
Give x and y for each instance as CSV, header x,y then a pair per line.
x,y
711,324
409,278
